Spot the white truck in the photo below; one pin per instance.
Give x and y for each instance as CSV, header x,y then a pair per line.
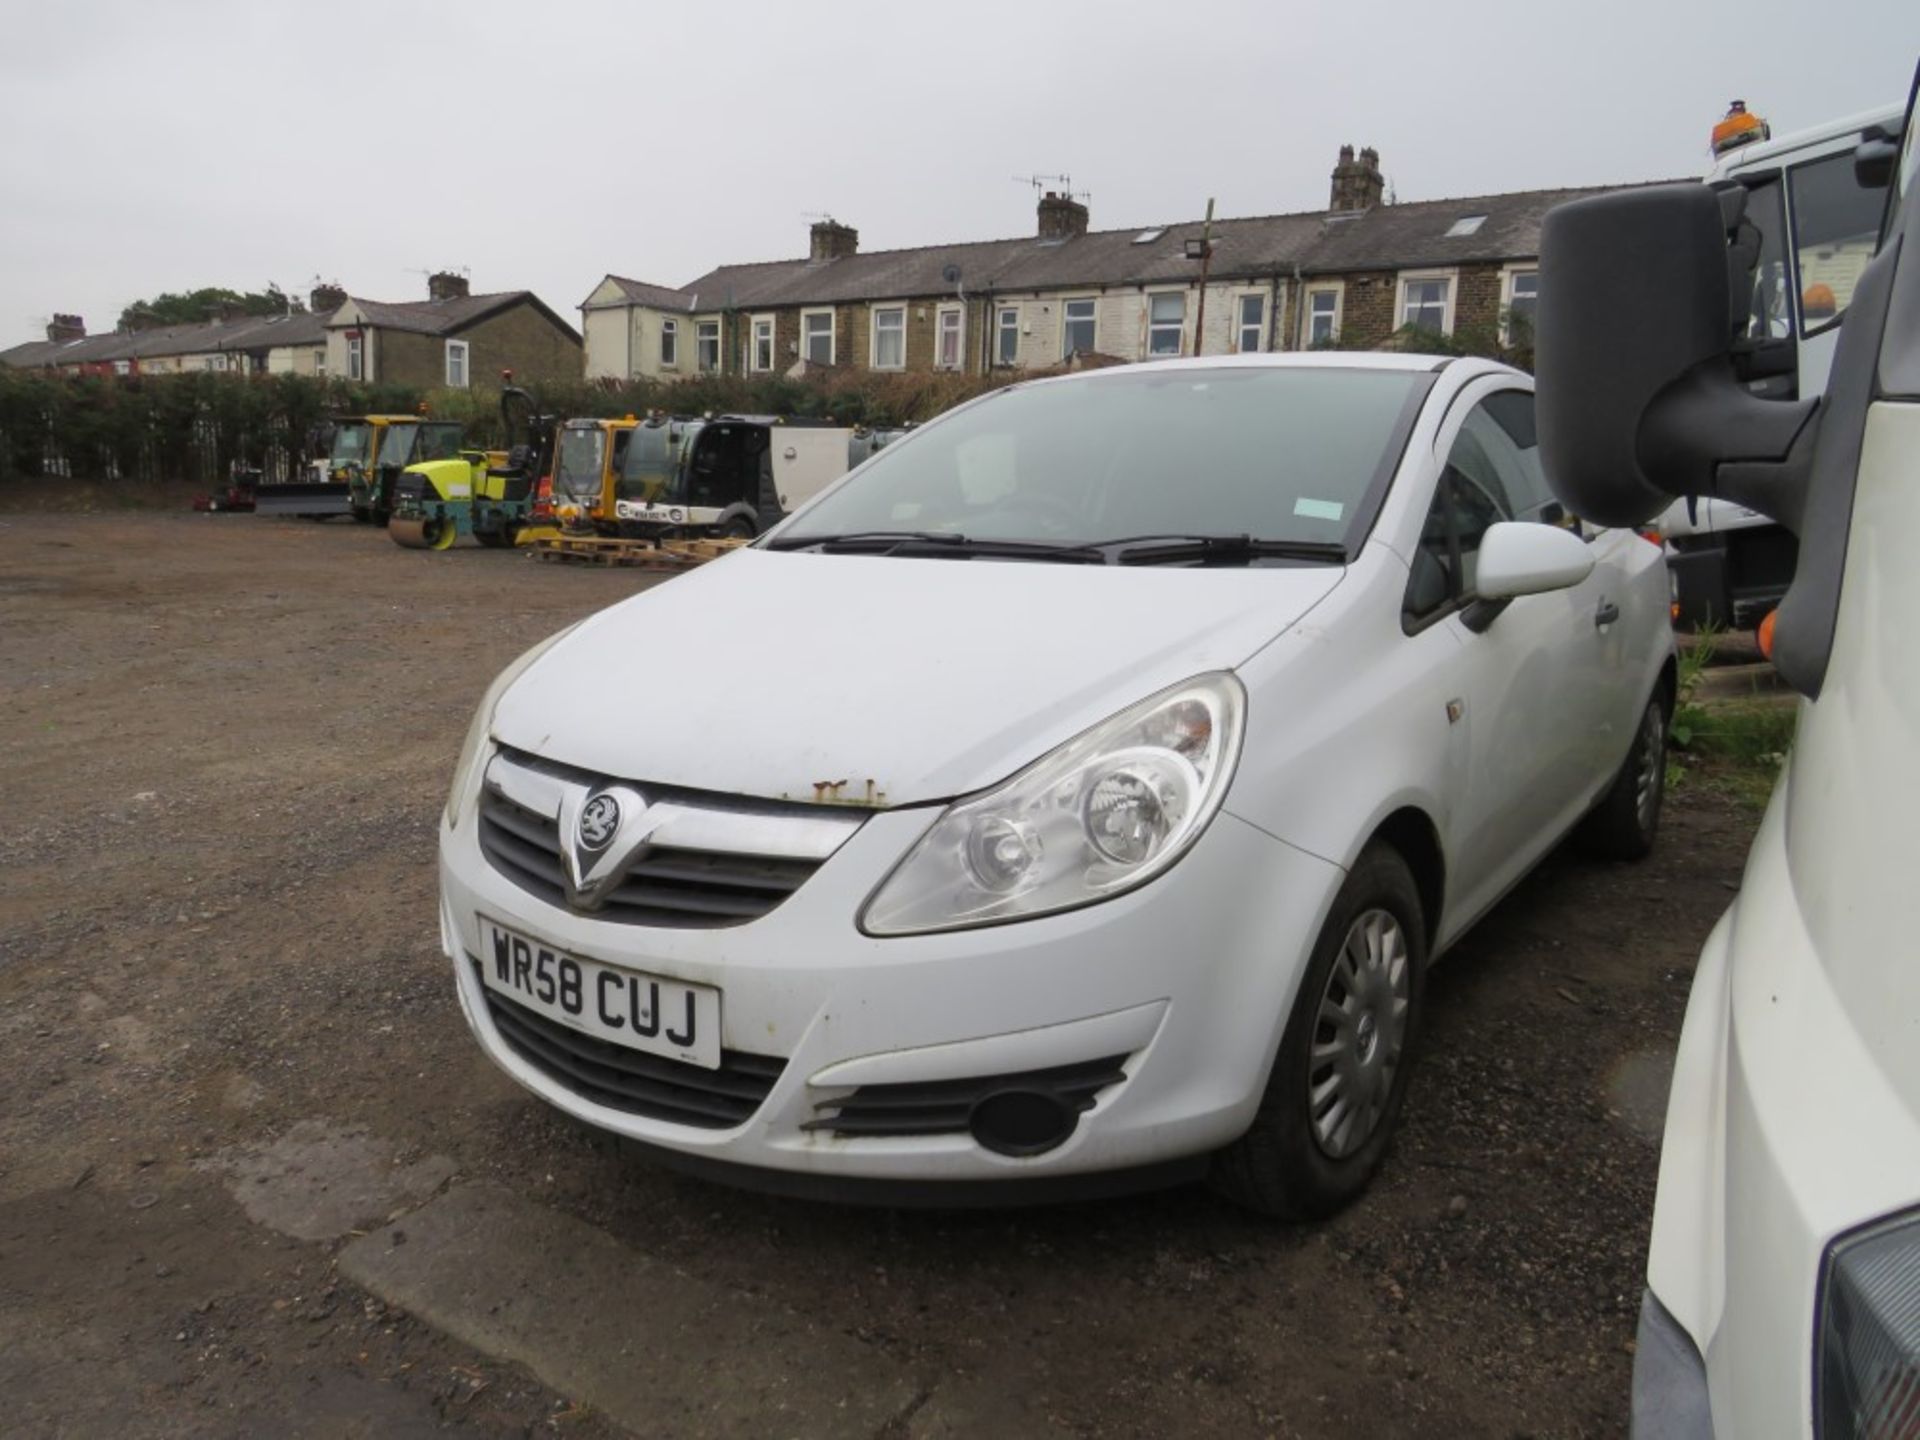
x,y
1783,1281
1814,225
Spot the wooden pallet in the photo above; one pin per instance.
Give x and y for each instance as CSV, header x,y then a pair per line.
x,y
632,554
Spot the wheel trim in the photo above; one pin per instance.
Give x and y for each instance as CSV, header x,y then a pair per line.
x,y
1653,762
1359,1034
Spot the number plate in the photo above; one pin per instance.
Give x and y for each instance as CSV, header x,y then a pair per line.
x,y
608,1002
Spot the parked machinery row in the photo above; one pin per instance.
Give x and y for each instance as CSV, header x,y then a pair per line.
x,y
649,477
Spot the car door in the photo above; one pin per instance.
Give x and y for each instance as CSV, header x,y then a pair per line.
x,y
1521,711
1618,599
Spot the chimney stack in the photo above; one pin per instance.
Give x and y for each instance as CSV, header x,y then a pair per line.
x,y
830,240
445,285
326,298
1357,184
1061,217
67,327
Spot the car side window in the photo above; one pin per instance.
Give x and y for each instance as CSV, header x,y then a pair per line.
x,y
1503,423
1486,481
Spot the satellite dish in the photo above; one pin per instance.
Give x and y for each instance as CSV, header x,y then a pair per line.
x,y
951,274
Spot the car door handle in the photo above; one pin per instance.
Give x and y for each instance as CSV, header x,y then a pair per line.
x,y
1606,614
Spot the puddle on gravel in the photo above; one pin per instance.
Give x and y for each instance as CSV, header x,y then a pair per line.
x,y
1637,1093
319,1182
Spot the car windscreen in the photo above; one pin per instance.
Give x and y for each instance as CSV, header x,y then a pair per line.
x,y
1275,453
578,473
352,444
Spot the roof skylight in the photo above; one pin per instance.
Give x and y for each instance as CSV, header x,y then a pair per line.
x,y
1147,237
1466,225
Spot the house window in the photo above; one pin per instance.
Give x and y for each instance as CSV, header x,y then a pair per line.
x,y
320,362
816,336
123,367
949,343
1426,303
890,338
1253,324
1523,299
1008,349
706,337
1322,318
353,358
1166,315
762,342
669,344
456,364
1077,336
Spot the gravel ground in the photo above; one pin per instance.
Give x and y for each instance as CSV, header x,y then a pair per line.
x,y
223,747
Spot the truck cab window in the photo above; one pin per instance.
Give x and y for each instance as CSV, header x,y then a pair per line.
x,y
1836,226
1767,315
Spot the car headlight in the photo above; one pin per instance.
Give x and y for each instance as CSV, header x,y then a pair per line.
x,y
1107,811
1869,1335
474,748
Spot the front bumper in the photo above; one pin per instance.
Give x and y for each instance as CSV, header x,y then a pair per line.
x,y
1190,977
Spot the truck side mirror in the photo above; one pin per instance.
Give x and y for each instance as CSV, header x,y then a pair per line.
x,y
1638,401
1873,161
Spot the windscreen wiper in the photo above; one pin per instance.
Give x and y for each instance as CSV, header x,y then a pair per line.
x,y
863,540
1220,550
941,543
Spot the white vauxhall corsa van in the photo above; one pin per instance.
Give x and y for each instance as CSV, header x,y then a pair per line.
x,y
1783,1284
1097,772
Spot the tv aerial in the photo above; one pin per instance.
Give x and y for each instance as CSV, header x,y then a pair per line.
x,y
1060,185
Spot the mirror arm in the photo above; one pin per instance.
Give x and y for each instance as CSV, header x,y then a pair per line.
x,y
1479,614
1778,489
1708,415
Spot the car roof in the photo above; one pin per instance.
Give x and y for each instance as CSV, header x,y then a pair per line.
x,y
1461,368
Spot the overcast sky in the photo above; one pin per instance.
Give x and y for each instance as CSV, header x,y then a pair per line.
x,y
149,146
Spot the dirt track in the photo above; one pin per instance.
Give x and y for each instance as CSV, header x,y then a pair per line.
x,y
229,1044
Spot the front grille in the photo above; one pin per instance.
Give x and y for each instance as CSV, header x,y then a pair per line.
x,y
665,886
640,1084
941,1107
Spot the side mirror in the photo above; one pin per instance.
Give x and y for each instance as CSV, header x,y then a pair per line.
x,y
1520,557
1638,399
1874,159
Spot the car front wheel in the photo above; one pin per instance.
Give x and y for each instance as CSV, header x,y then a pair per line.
x,y
1334,1095
1623,824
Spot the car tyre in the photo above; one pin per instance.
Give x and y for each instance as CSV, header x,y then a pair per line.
x,y
1349,1042
739,528
1623,825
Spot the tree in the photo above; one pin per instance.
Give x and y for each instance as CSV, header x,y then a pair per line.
x,y
193,307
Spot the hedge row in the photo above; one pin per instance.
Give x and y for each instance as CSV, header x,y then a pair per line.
x,y
198,426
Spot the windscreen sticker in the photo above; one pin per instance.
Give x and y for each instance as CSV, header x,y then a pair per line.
x,y
1318,509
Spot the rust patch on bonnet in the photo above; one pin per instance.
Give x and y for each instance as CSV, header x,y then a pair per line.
x,y
868,796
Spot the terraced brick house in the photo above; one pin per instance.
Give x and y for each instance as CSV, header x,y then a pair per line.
x,y
292,344
1352,274
453,339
